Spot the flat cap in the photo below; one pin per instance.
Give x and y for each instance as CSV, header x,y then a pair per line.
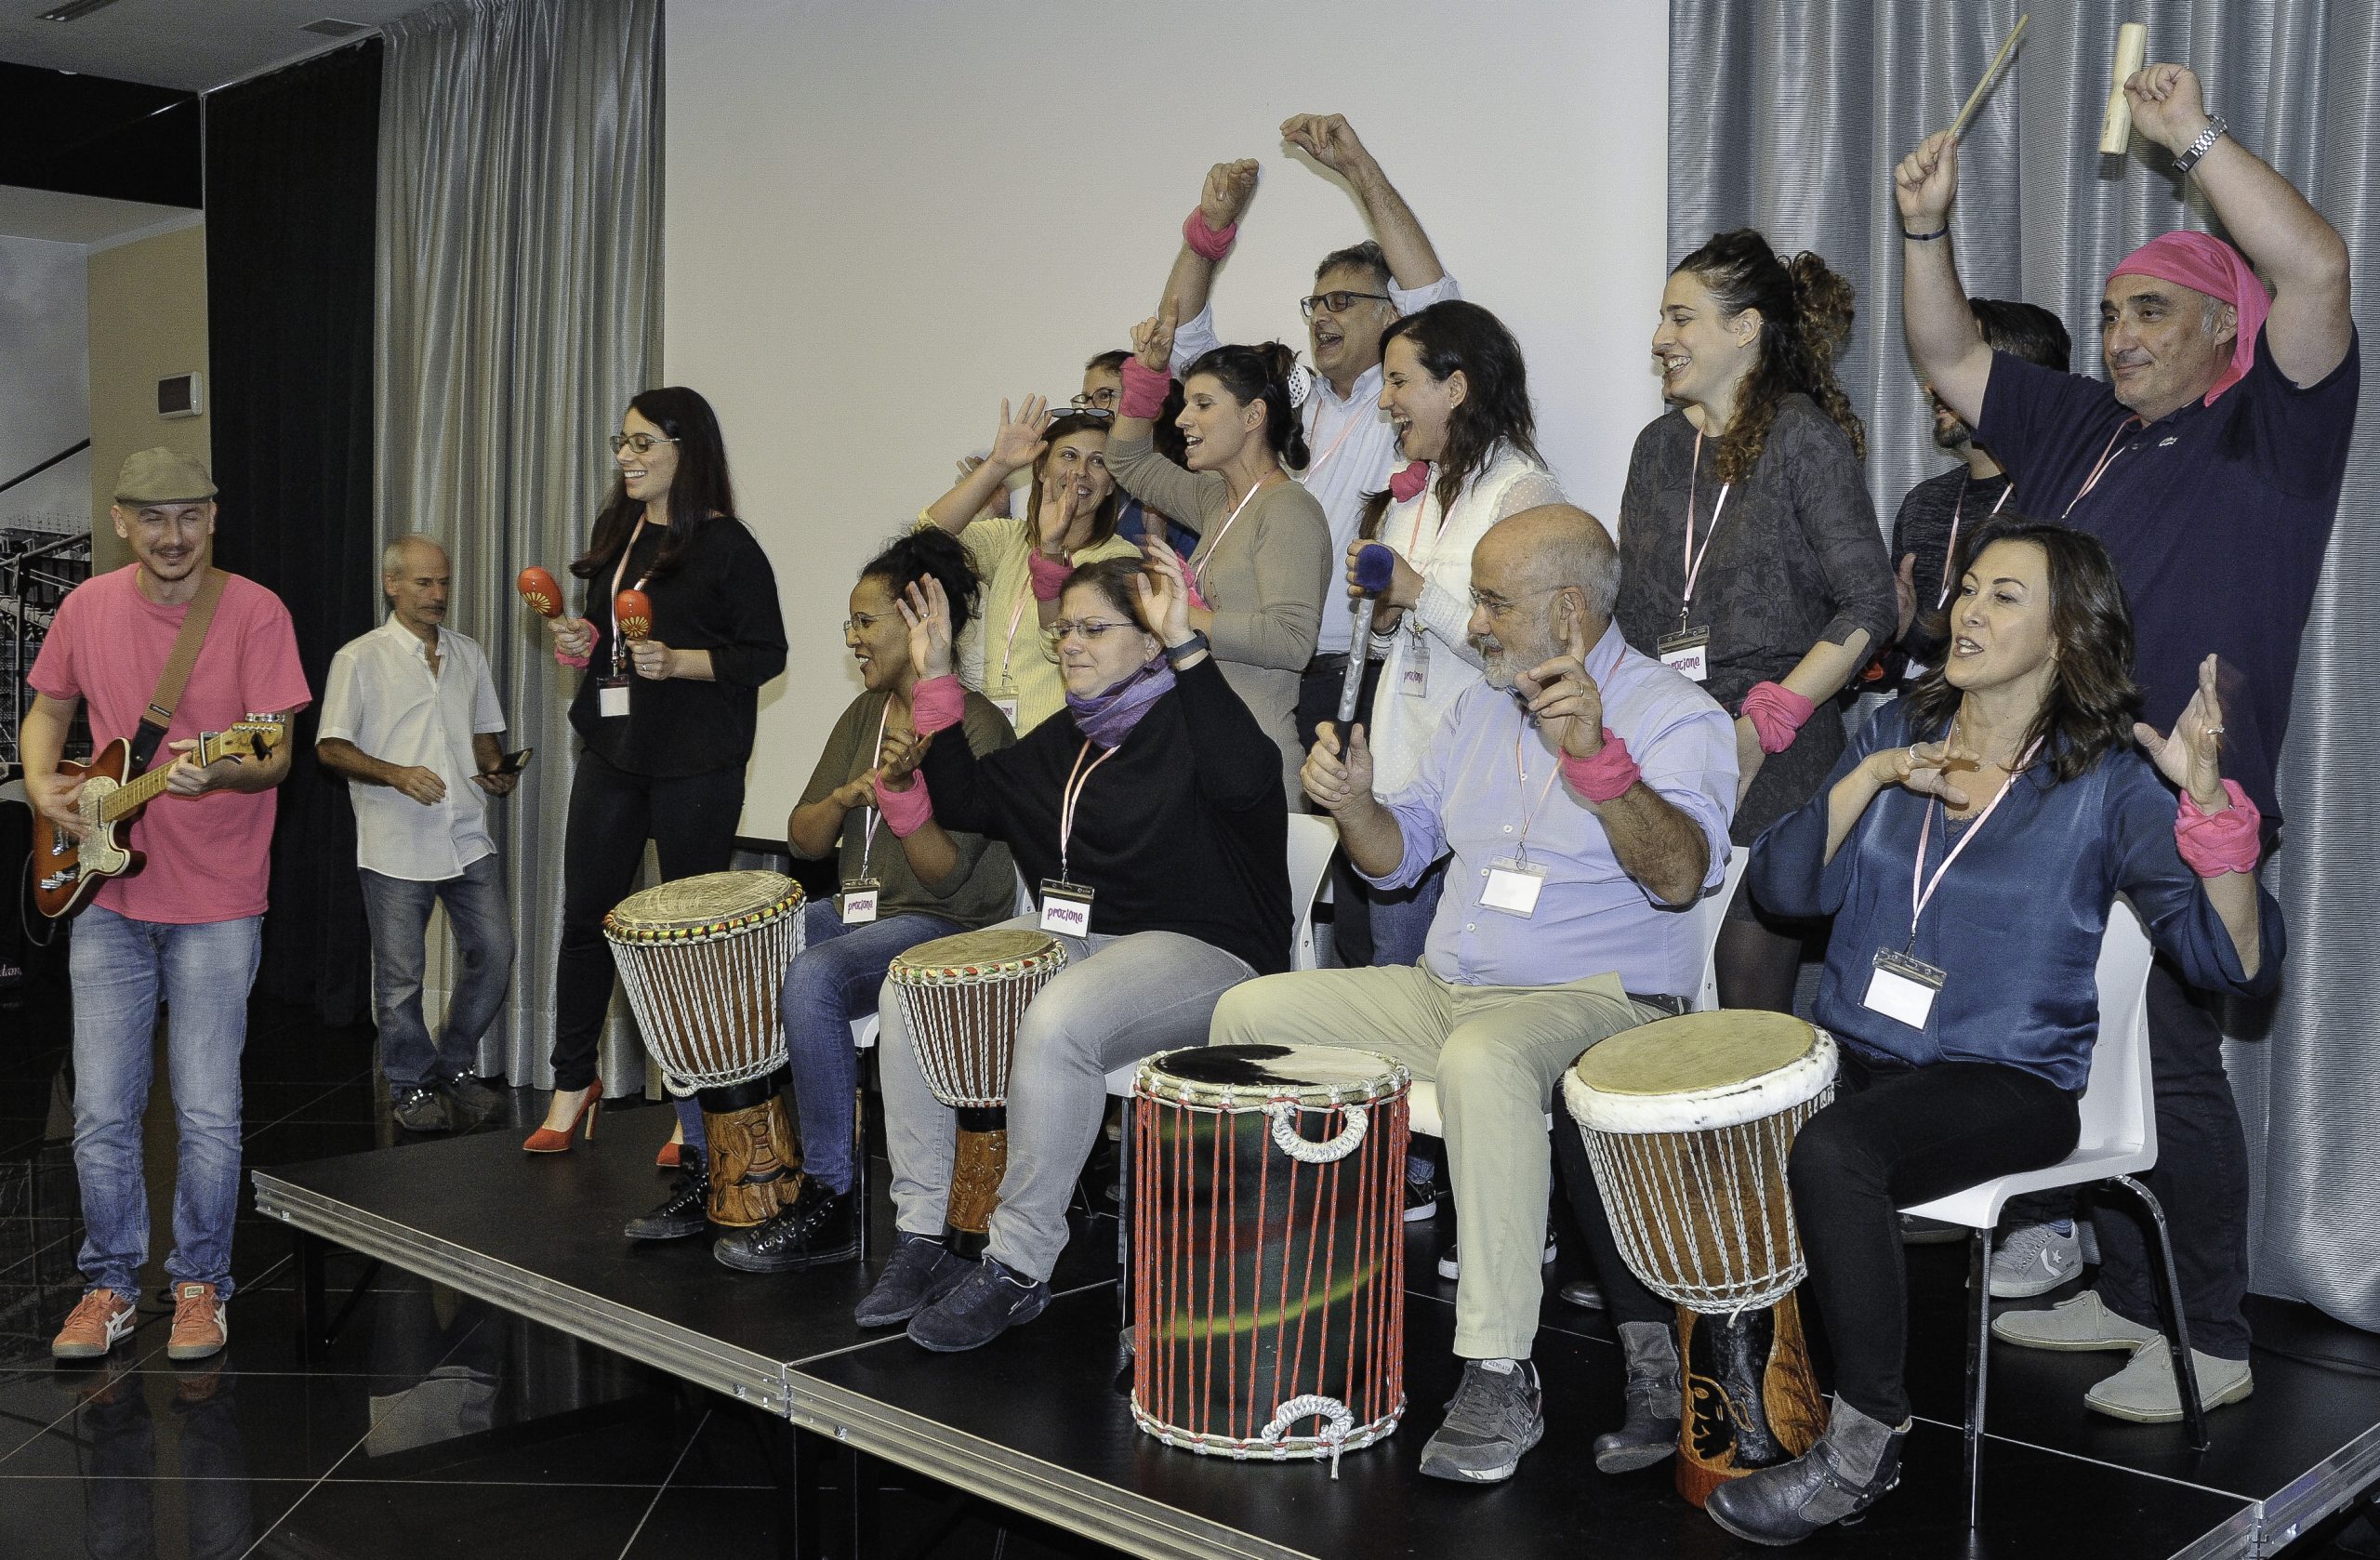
x,y
163,476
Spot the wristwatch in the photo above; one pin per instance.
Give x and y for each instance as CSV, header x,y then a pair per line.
x,y
2215,127
1194,645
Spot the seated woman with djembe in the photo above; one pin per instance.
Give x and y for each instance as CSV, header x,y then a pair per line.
x,y
1150,822
1968,845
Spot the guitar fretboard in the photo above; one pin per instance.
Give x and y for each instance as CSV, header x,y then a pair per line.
x,y
138,791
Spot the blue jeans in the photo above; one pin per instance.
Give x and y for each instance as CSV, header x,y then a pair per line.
x,y
399,911
122,970
1401,918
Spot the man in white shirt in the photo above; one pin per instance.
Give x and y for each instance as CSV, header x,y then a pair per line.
x,y
410,717
1358,293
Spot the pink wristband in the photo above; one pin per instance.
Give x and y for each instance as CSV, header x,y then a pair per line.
x,y
904,811
1407,484
2213,843
1190,582
938,704
577,663
1206,241
1605,776
1145,390
1048,576
1775,713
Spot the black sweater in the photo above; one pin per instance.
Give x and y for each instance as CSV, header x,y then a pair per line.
x,y
723,599
1185,829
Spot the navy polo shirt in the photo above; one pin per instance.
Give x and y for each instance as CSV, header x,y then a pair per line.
x,y
2218,518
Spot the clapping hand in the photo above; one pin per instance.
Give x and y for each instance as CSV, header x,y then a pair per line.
x,y
1334,780
1229,187
1560,690
1927,769
902,753
1325,138
2192,756
1153,340
1059,501
1019,442
1162,594
1927,182
926,610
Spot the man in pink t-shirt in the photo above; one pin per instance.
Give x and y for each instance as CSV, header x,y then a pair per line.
x,y
184,929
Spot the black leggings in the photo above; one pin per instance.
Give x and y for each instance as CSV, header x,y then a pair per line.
x,y
691,820
1894,1136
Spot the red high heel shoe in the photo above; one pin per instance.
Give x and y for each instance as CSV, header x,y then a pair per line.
x,y
544,1140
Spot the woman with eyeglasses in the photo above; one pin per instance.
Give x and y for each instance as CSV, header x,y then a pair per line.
x,y
1069,520
1263,564
1456,391
1750,557
665,721
1150,820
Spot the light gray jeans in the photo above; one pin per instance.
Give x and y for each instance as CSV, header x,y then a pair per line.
x,y
1118,999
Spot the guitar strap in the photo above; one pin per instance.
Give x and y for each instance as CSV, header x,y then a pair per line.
x,y
170,682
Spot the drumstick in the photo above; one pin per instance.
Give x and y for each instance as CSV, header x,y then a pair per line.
x,y
632,610
1974,98
2132,53
537,588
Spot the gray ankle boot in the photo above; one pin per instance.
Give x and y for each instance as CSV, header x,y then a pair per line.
x,y
1856,1461
1655,1399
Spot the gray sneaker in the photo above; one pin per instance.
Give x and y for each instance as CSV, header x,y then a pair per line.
x,y
2145,1391
2080,1324
2034,1259
1491,1422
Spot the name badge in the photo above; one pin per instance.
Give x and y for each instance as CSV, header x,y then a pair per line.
x,y
1687,652
1414,680
1513,886
858,900
1903,988
611,697
1065,908
1007,708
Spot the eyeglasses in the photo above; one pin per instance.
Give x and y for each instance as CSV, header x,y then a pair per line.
x,y
1497,606
1336,303
1088,414
641,443
860,623
1097,400
1091,629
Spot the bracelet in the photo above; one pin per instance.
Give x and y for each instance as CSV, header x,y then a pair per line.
x,y
904,811
575,662
2215,843
2196,150
1144,389
1925,238
938,704
1775,713
1212,243
1050,576
1605,776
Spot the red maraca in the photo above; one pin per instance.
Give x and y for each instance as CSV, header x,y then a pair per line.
x,y
632,610
537,588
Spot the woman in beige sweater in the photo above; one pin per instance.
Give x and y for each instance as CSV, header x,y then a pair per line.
x,y
1263,565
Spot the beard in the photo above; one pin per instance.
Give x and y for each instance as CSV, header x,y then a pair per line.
x,y
1952,436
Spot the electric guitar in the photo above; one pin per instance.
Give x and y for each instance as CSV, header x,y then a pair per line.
x,y
68,872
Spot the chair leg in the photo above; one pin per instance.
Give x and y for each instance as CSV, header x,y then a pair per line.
x,y
1978,1364
1124,1224
859,1168
2178,1326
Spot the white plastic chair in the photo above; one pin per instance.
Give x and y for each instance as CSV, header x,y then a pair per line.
x,y
2117,1143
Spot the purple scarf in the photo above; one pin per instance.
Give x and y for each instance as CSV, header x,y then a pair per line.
x,y
1107,719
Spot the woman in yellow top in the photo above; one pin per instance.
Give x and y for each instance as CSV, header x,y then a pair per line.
x,y
1070,520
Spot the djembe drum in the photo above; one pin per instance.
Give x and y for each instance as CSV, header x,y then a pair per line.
x,y
1268,1249
963,997
1687,1123
703,961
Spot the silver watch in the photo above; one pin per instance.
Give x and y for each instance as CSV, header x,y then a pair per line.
x,y
2215,127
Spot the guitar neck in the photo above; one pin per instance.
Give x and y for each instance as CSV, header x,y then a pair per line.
x,y
139,791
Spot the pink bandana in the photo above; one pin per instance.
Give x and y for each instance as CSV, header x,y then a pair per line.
x,y
2206,264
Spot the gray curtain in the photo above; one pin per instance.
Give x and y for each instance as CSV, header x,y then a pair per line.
x,y
1789,115
520,307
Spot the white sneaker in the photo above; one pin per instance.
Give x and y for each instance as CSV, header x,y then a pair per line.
x,y
2033,1260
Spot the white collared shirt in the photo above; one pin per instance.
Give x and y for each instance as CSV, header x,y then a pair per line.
x,y
381,696
1339,471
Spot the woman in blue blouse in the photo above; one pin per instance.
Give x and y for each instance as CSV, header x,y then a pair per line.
x,y
1969,844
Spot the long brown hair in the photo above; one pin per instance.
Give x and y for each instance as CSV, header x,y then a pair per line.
x,y
700,495
1459,336
1805,312
2092,698
1103,519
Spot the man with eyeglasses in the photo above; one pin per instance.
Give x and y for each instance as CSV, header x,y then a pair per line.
x,y
1358,293
1583,793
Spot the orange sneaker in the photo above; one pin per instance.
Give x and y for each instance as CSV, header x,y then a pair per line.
x,y
199,1326
101,1320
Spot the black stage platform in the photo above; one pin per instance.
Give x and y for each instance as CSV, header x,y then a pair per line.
x,y
1037,1422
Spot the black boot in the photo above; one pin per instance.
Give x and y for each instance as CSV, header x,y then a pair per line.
x,y
681,1215
1655,1401
1853,1464
816,1228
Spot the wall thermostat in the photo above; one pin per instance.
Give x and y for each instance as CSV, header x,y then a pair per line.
x,y
180,396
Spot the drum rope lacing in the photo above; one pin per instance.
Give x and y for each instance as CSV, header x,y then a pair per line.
x,y
964,1034
698,1019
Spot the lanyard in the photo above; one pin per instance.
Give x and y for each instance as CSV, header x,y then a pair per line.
x,y
619,647
867,842
2107,458
1200,573
1693,559
1528,814
1024,594
1076,781
1413,542
1950,548
1355,415
1917,900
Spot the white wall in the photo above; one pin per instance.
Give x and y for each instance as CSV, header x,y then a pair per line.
x,y
883,218
45,383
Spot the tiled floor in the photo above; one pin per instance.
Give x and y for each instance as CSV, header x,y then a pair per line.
x,y
434,1426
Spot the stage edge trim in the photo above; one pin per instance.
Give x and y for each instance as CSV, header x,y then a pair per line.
x,y
2317,1492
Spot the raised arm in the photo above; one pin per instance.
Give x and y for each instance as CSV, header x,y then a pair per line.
x,y
2274,226
1132,459
1943,342
1221,204
1017,445
1331,140
2190,758
1236,764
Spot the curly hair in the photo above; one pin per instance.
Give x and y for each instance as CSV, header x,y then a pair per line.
x,y
1261,374
1805,314
1453,337
929,550
2092,699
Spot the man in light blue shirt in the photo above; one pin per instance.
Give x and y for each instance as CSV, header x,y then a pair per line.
x,y
1563,923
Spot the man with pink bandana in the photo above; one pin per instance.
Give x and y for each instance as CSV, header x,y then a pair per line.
x,y
2209,462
